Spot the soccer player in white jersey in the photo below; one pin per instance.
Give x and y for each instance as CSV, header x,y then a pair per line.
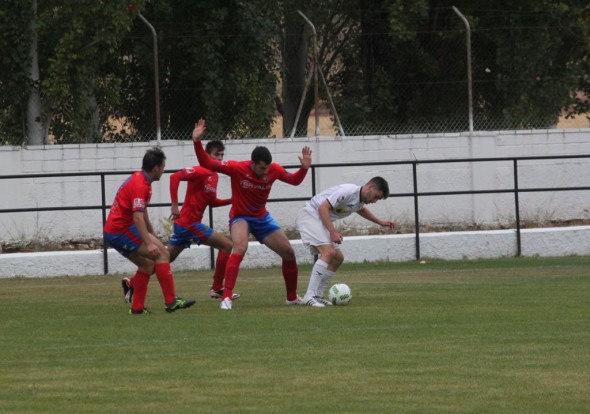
x,y
315,224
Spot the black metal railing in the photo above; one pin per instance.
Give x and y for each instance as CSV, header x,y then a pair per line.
x,y
415,194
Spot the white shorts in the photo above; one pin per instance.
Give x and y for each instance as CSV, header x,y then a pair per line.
x,y
313,232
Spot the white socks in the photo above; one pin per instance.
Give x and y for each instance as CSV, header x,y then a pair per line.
x,y
324,283
319,279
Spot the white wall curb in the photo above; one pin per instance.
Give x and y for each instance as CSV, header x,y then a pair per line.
x,y
562,241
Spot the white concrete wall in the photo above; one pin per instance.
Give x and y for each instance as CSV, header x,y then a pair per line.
x,y
487,209
396,248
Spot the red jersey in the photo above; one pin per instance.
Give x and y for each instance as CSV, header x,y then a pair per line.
x,y
201,191
249,192
133,195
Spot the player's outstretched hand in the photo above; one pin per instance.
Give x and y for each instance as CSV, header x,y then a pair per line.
x,y
336,237
199,130
305,158
388,224
174,212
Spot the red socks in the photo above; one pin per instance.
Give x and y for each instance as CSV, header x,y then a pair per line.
x,y
220,265
290,273
231,274
139,283
166,280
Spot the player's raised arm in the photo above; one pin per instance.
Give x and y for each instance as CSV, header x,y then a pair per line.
x,y
305,158
200,152
199,130
298,176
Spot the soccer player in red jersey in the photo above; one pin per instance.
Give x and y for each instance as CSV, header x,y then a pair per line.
x,y
201,191
251,182
128,229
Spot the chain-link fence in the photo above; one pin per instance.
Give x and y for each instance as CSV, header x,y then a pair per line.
x,y
375,74
431,99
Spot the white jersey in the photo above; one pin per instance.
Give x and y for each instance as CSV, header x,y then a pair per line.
x,y
345,199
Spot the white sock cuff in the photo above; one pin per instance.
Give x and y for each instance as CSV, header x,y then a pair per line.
x,y
320,262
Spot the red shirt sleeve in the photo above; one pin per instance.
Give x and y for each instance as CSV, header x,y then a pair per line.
x,y
224,167
175,180
140,194
220,202
295,178
204,158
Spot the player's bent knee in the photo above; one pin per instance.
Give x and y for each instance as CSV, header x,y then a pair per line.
x,y
145,265
239,250
288,254
164,255
331,255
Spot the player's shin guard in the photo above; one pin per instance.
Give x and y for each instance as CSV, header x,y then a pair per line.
x,y
325,279
219,274
315,279
290,274
166,280
231,274
139,283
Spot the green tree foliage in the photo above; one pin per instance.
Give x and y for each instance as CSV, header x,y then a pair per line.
x,y
215,61
75,40
82,37
408,67
335,22
392,65
14,80
294,67
528,61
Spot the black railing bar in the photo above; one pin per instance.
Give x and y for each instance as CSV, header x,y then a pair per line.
x,y
468,192
51,175
29,210
492,159
446,161
107,207
75,174
532,190
281,200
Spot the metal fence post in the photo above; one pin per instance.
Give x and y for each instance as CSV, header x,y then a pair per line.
x,y
156,77
211,249
105,246
416,213
469,80
315,70
517,209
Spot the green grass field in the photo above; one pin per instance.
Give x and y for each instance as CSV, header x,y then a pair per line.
x,y
509,336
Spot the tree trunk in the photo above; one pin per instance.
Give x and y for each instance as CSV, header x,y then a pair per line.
x,y
35,128
93,133
294,73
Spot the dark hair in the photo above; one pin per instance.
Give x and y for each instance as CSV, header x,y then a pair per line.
x,y
380,185
261,154
214,145
154,157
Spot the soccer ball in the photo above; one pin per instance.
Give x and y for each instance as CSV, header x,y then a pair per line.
x,y
340,294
